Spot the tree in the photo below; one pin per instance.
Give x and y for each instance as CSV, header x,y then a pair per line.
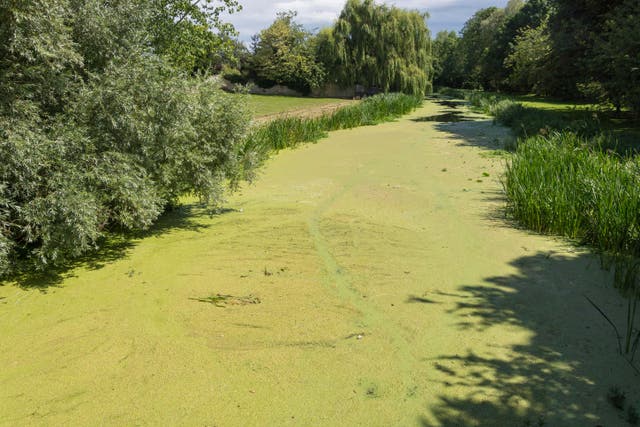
x,y
284,54
98,130
191,32
574,26
530,51
615,56
478,35
448,61
37,55
379,46
494,73
488,38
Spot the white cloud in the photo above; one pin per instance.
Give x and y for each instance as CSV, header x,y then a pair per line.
x,y
258,14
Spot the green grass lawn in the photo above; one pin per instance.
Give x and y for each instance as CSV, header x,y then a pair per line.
x,y
622,125
553,104
263,105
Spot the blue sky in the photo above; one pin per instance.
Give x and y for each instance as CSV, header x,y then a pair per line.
x,y
313,14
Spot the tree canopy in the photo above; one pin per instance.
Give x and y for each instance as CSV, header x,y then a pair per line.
x,y
375,45
574,49
284,54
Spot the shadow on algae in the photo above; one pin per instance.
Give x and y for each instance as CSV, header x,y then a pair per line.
x,y
555,379
112,248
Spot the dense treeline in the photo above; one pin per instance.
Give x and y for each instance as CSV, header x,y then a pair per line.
x,y
99,126
372,45
574,49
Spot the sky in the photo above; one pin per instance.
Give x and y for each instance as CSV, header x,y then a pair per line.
x,y
314,14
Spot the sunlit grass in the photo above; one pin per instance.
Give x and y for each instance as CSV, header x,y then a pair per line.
x,y
564,184
263,105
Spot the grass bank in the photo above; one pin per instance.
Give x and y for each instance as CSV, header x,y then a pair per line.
x,y
267,105
527,120
287,132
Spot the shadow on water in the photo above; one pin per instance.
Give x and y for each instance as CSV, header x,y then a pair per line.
x,y
467,128
560,374
412,299
449,103
478,132
447,117
113,248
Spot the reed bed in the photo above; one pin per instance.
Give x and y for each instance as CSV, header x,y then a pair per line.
x,y
568,177
566,184
288,132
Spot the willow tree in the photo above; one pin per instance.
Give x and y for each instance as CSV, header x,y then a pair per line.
x,y
378,46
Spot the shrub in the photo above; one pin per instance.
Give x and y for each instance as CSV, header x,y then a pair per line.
x,y
97,132
132,141
183,132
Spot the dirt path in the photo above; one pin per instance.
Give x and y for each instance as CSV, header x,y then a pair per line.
x,y
306,112
391,292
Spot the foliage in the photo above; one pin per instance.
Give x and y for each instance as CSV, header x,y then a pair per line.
x,y
616,56
37,55
488,39
103,31
378,47
98,132
284,54
573,26
477,37
530,52
183,132
448,61
518,17
190,33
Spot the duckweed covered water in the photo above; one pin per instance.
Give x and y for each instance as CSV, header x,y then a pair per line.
x,y
390,294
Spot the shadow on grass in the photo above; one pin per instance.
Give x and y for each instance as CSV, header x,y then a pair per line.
x,y
622,131
564,360
113,248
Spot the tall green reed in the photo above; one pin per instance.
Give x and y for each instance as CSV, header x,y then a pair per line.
x,y
288,132
568,185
